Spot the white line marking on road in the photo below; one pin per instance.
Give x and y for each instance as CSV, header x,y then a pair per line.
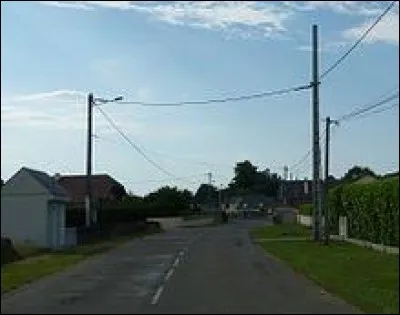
x,y
176,262
169,274
156,297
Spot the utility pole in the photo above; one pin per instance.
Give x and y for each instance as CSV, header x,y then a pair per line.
x,y
88,198
328,132
91,215
316,188
209,174
284,186
220,197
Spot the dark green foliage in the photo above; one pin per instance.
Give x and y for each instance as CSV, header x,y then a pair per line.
x,y
165,201
206,194
357,172
306,209
249,180
372,210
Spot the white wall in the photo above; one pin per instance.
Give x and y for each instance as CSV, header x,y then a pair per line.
x,y
23,218
304,220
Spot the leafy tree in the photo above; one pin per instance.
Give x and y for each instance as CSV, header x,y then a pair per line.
x,y
357,172
249,180
168,201
206,194
331,178
245,175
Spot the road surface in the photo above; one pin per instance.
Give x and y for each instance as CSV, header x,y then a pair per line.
x,y
187,271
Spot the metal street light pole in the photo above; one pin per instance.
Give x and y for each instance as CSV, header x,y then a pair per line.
x,y
327,139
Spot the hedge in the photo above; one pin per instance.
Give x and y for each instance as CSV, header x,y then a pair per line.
x,y
372,210
306,209
115,212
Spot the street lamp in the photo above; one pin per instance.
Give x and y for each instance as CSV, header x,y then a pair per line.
x,y
88,198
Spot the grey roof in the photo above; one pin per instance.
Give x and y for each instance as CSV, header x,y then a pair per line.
x,y
48,182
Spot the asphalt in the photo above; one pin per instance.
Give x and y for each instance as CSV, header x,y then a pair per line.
x,y
192,270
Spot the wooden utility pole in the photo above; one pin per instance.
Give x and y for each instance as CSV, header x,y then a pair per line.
x,y
88,198
316,157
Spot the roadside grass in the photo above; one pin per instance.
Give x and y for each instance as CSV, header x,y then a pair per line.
x,y
28,250
364,278
42,262
281,231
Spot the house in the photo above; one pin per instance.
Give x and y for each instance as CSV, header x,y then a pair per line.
x,y
297,192
104,189
33,209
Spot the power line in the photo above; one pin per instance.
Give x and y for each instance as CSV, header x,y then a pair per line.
x,y
304,159
377,111
148,159
301,161
367,108
224,100
167,179
358,41
188,159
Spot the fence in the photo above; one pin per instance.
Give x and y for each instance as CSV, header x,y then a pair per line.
x,y
343,235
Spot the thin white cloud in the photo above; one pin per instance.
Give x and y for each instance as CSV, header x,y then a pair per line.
x,y
387,30
362,8
326,48
29,116
80,5
266,17
247,19
47,111
221,15
60,95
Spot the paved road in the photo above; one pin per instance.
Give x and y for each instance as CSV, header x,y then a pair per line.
x,y
187,270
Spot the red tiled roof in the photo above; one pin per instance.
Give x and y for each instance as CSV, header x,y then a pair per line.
x,y
103,186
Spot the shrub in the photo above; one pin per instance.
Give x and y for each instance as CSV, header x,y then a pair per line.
x,y
8,251
306,209
372,210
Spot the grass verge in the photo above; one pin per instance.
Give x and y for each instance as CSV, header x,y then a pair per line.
x,y
361,276
40,263
280,231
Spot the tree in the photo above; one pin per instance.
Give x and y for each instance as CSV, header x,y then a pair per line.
x,y
357,172
246,176
206,194
168,201
331,178
248,180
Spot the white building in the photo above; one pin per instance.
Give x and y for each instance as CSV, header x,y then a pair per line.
x,y
33,209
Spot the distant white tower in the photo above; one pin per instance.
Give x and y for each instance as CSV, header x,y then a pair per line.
x,y
285,172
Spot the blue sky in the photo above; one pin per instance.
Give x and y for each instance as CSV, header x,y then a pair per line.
x,y
53,53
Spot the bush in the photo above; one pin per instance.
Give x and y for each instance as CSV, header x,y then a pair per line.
x,y
8,251
372,210
306,209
